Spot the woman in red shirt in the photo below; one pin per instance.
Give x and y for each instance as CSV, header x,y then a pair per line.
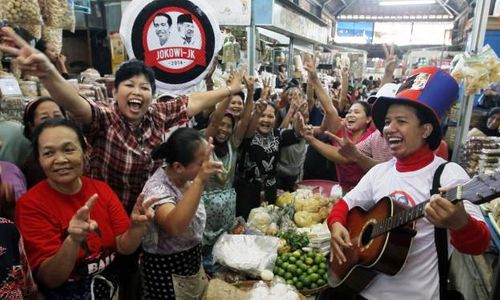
x,y
73,225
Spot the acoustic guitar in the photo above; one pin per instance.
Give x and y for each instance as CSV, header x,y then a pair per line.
x,y
382,236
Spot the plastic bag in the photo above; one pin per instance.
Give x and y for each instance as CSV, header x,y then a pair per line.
x,y
69,22
60,14
53,36
34,30
251,254
259,218
21,12
278,290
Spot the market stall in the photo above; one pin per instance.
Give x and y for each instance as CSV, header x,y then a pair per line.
x,y
281,249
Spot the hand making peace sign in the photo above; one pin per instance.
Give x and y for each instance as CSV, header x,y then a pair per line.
x,y
143,211
390,59
29,59
346,147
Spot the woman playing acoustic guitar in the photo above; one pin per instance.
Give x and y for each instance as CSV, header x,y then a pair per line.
x,y
411,127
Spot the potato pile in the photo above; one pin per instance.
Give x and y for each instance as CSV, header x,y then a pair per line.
x,y
310,208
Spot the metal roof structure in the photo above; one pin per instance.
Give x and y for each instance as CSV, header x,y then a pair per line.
x,y
398,10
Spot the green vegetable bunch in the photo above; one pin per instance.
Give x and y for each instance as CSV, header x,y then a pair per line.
x,y
294,239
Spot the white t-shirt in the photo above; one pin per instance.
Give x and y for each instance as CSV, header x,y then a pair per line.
x,y
419,278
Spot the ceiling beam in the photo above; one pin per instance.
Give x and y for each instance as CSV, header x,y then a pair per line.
x,y
346,6
446,8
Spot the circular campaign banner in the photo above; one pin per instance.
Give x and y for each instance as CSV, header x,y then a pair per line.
x,y
178,39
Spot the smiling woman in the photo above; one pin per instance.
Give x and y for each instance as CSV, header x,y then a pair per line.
x,y
73,226
35,113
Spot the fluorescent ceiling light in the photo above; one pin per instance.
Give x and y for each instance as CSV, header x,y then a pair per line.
x,y
406,2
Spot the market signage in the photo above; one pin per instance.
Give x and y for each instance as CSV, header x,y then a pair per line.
x,y
178,39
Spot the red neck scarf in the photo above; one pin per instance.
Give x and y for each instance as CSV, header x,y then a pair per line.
x,y
415,161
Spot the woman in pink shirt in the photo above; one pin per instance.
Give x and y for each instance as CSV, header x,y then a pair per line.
x,y
357,127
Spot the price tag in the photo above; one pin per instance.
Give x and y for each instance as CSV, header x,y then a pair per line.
x,y
9,87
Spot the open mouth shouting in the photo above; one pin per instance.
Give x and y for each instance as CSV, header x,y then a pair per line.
x,y
265,126
135,105
394,142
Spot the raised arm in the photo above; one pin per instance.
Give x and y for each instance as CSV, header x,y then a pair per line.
x,y
33,62
200,101
310,94
350,152
175,219
330,152
343,101
259,108
216,118
130,240
242,125
332,119
295,103
390,64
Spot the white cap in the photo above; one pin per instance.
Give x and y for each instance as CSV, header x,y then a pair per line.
x,y
387,90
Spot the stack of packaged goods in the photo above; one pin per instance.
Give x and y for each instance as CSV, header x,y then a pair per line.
x,y
476,149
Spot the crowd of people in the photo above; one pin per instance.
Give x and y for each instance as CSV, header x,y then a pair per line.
x,y
104,202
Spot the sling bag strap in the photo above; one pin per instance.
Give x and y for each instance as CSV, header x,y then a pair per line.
x,y
441,240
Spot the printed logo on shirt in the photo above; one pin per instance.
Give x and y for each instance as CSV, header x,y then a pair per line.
x,y
98,265
402,197
177,39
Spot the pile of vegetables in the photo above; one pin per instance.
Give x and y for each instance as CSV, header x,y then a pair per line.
x,y
310,208
304,270
292,241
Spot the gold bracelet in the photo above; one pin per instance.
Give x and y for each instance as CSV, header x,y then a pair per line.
x,y
229,90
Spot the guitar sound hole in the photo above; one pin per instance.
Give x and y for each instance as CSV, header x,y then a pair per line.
x,y
366,237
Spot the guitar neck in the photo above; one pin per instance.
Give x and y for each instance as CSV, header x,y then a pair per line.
x,y
411,214
480,189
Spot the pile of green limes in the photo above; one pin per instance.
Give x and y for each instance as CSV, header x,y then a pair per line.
x,y
304,270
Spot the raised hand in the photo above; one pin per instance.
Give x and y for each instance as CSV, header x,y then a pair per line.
x,y
29,59
346,147
209,166
143,211
249,82
310,67
260,106
300,126
296,100
390,59
266,89
80,224
236,80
